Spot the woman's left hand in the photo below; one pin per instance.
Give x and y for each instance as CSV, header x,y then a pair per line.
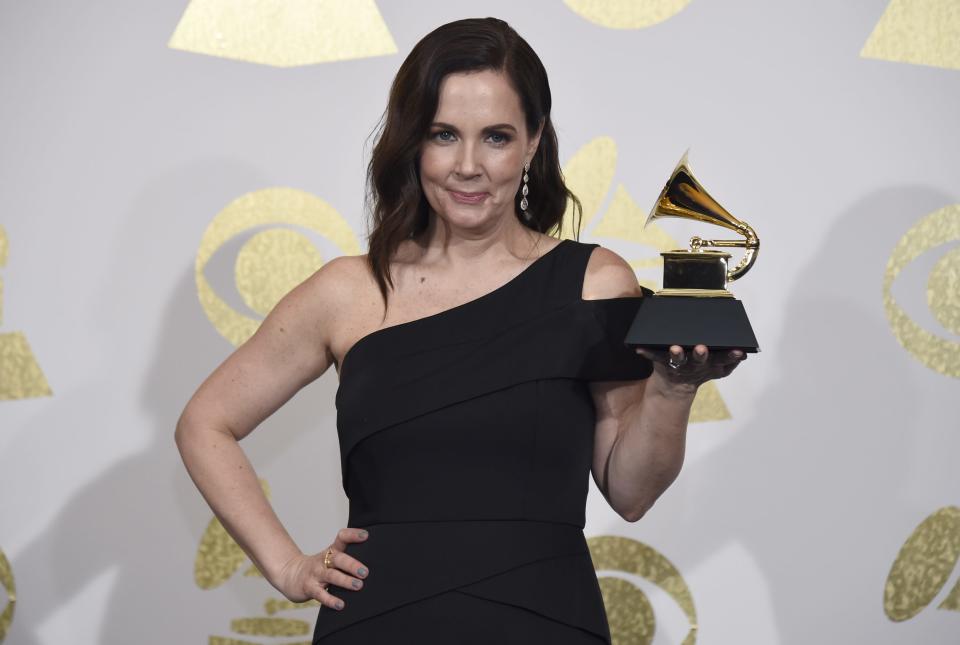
x,y
695,368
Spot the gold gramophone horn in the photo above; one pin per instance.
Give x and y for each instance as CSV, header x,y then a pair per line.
x,y
684,197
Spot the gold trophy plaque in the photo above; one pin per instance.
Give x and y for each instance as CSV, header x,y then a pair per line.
x,y
695,307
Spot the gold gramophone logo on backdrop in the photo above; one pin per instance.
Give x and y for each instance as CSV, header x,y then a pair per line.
x,y
283,33
629,612
626,14
218,559
918,32
20,374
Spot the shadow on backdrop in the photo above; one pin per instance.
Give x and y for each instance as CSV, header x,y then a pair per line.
x,y
140,520
811,485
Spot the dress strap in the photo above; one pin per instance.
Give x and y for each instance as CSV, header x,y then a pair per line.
x,y
573,271
570,272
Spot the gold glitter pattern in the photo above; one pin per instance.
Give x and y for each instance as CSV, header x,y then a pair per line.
x,y
708,405
629,613
283,33
218,558
20,374
262,270
921,32
10,589
588,175
218,555
924,564
615,553
952,601
624,220
938,228
943,290
626,14
271,263
270,626
273,605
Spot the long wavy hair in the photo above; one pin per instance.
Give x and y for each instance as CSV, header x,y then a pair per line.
x,y
399,208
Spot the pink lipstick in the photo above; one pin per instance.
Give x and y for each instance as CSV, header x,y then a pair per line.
x,y
467,198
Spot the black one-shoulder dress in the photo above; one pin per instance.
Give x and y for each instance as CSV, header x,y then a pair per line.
x,y
466,441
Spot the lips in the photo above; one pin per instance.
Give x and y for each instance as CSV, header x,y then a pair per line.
x,y
467,198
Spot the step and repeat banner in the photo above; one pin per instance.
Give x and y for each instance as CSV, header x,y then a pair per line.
x,y
169,170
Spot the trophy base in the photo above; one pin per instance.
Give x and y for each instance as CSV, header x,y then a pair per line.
x,y
695,293
718,323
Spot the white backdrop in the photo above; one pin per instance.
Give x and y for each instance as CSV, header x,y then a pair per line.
x,y
166,172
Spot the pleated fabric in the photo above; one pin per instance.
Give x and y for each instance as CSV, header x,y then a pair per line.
x,y
466,441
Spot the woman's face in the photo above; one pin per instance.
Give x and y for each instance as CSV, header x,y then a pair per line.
x,y
471,163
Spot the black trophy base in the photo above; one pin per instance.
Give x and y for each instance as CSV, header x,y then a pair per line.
x,y
718,323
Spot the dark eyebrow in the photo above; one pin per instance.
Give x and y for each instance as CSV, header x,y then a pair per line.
x,y
488,129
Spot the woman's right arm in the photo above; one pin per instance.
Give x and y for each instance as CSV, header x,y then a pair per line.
x,y
291,348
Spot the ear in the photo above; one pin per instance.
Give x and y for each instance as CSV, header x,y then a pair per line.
x,y
535,141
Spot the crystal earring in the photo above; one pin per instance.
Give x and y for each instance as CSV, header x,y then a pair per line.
x,y
525,191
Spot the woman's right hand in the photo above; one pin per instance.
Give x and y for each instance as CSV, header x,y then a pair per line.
x,y
305,577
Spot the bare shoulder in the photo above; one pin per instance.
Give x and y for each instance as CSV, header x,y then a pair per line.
x,y
315,309
350,302
609,276
340,278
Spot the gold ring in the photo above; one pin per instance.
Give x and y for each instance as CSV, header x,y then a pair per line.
x,y
328,558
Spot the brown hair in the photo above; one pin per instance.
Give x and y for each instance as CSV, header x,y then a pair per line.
x,y
400,210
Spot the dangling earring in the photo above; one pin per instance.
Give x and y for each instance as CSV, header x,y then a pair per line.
x,y
527,215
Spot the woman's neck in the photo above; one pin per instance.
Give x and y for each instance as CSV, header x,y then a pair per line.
x,y
440,239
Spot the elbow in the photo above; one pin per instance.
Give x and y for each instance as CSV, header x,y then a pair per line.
x,y
184,431
634,515
196,431
180,432
640,508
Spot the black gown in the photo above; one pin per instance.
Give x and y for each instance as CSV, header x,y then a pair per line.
x,y
466,441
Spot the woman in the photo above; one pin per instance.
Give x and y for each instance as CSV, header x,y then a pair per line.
x,y
483,375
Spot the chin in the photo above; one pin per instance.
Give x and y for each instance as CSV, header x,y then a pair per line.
x,y
467,220
465,215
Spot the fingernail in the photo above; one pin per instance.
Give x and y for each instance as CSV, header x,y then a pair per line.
x,y
339,604
363,535
362,572
356,584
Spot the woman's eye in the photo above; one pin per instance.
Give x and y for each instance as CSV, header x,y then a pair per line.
x,y
499,138
443,135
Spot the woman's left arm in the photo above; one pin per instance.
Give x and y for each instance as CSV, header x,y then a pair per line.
x,y
641,426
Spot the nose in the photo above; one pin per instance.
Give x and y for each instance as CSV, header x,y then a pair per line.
x,y
467,164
